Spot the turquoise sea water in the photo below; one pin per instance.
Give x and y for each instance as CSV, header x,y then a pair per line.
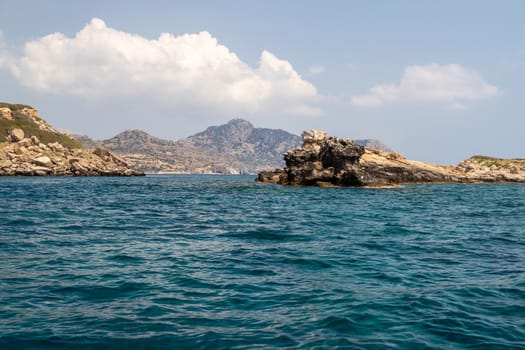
x,y
221,262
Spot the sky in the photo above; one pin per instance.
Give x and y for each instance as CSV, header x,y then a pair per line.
x,y
437,81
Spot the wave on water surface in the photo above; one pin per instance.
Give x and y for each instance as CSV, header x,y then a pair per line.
x,y
222,262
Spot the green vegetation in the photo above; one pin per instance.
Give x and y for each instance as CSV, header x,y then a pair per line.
x,y
498,162
31,129
25,123
13,106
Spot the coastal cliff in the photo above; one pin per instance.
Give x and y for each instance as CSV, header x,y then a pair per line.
x,y
29,146
331,161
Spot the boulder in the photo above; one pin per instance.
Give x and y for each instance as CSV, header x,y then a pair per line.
x,y
40,171
56,147
5,113
43,161
20,150
30,112
16,134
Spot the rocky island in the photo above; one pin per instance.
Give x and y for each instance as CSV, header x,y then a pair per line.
x,y
330,161
29,146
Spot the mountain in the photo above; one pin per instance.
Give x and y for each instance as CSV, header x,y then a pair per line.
x,y
233,148
136,141
374,144
30,146
239,142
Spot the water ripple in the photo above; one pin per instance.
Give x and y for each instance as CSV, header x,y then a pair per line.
x,y
220,262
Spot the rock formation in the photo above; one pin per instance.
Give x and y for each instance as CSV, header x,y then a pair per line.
x,y
331,161
5,113
30,146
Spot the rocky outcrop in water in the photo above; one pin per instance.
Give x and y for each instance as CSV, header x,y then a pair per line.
x,y
31,147
331,161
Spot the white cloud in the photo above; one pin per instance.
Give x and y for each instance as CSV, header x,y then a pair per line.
x,y
103,63
451,83
316,69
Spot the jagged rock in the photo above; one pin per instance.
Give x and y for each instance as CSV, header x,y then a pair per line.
x,y
331,161
16,134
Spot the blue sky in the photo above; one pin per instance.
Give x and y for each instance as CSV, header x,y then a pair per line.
x,y
435,80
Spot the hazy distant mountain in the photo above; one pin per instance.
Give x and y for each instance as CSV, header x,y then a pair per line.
x,y
373,143
257,148
235,147
231,148
136,141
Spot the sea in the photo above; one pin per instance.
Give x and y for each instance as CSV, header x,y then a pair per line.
x,y
223,262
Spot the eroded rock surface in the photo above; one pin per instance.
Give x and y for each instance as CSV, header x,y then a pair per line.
x,y
330,161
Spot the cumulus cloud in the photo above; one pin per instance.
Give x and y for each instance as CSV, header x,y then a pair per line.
x,y
451,84
100,62
316,69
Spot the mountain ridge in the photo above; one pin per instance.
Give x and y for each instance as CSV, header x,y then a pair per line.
x,y
234,147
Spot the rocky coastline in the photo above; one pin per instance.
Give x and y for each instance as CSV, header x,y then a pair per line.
x,y
330,161
24,153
